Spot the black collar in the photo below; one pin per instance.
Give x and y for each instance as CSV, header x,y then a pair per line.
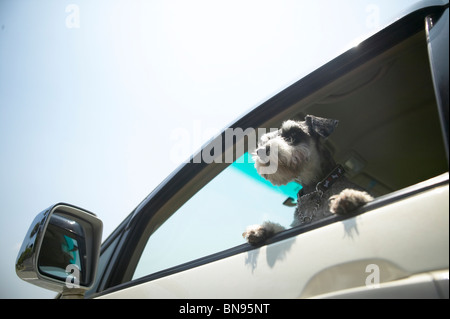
x,y
328,181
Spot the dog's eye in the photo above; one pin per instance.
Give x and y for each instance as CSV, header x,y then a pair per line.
x,y
292,136
289,139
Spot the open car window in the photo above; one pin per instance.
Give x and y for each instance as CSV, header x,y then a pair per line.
x,y
214,218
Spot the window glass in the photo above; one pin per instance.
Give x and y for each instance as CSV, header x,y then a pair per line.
x,y
215,218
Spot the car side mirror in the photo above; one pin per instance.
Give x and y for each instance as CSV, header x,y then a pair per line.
x,y
61,250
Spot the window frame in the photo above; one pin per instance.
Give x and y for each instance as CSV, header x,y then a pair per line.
x,y
189,178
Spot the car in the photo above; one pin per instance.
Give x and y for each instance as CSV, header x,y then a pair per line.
x,y
390,95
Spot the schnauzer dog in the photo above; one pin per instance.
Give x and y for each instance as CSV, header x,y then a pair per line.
x,y
300,156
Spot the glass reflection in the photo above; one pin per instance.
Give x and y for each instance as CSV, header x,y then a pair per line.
x,y
63,245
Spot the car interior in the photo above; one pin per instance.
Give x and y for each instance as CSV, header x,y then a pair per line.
x,y
389,134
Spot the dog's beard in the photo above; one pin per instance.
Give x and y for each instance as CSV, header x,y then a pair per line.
x,y
289,160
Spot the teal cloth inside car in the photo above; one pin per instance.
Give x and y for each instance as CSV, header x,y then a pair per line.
x,y
246,164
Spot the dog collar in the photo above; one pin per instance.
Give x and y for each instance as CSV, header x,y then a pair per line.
x,y
328,181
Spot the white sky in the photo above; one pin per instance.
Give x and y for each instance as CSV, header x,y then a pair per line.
x,y
92,92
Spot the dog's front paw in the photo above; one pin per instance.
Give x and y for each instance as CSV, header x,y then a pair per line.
x,y
348,200
256,234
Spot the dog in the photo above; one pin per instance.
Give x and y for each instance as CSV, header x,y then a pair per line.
x,y
299,154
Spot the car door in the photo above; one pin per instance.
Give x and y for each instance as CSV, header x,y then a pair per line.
x,y
184,240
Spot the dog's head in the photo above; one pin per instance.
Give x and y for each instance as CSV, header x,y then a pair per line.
x,y
291,152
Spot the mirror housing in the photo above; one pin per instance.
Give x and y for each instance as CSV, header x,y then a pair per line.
x,y
61,250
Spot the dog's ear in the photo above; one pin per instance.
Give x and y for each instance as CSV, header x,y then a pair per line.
x,y
322,126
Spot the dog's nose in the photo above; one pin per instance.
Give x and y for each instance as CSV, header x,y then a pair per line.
x,y
263,152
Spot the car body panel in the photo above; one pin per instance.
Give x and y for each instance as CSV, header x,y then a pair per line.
x,y
329,259
437,28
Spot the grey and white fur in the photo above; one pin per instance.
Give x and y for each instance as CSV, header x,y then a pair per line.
x,y
301,156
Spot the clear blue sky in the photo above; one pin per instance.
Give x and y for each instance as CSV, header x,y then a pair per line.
x,y
93,93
